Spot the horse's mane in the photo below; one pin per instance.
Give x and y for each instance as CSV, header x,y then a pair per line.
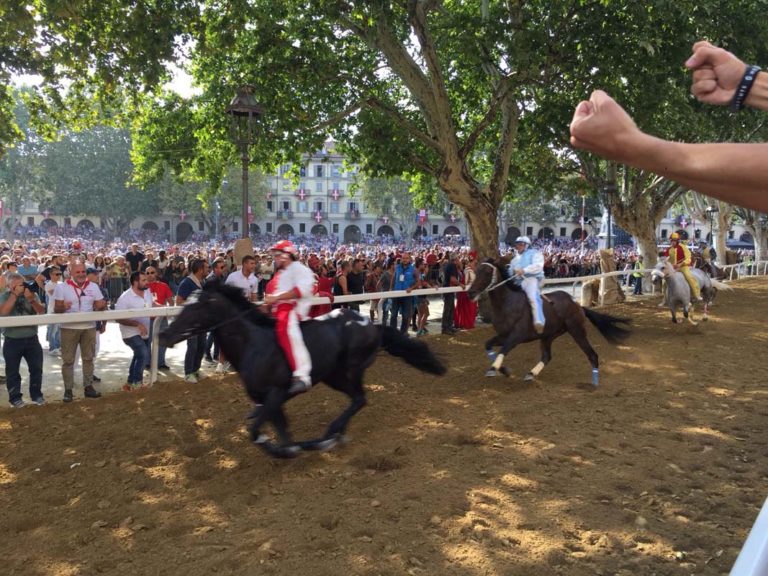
x,y
501,266
237,298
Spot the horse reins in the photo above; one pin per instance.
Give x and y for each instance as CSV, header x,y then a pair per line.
x,y
493,285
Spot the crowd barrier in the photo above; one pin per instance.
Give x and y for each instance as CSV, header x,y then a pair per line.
x,y
753,558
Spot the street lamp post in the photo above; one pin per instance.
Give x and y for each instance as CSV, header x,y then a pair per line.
x,y
244,114
711,211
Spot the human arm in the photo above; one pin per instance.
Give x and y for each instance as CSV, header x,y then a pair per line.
x,y
17,292
732,172
717,74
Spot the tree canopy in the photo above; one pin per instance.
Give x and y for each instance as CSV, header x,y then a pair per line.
x,y
470,94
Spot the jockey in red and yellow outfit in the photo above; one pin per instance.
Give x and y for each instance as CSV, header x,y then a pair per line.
x,y
680,258
289,293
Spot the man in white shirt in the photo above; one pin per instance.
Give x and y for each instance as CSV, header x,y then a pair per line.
x,y
289,293
54,330
248,282
135,331
246,278
78,295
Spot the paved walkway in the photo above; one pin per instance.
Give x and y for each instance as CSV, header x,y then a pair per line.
x,y
114,357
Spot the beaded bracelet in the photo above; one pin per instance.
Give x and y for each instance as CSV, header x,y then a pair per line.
x,y
737,103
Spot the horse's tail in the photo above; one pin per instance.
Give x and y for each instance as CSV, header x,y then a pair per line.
x,y
609,326
720,285
414,352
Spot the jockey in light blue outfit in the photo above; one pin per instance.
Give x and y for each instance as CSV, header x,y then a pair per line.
x,y
528,265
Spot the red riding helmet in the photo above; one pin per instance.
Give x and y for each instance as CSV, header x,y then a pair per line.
x,y
284,246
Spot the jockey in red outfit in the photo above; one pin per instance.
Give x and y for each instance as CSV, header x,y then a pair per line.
x,y
289,293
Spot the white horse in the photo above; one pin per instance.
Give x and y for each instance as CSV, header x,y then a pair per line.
x,y
678,292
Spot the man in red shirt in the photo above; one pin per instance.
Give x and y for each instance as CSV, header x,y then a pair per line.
x,y
162,296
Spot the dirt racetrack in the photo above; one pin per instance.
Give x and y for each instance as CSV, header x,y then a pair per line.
x,y
661,470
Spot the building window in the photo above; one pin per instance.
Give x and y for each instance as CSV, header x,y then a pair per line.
x,y
286,204
200,226
270,206
303,172
318,170
269,227
167,225
319,187
435,230
730,235
284,168
317,207
562,231
529,231
352,206
30,220
334,207
302,228
336,186
235,226
663,234
335,228
369,228
67,222
301,206
335,170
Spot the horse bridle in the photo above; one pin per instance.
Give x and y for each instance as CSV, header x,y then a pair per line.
x,y
493,283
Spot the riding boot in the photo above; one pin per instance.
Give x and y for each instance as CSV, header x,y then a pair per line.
x,y
299,385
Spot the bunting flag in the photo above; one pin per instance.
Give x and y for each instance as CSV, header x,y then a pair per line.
x,y
250,214
318,217
182,215
1,208
335,194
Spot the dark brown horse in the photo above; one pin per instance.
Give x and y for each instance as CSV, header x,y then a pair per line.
x,y
513,321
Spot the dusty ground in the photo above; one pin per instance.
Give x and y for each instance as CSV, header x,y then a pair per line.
x,y
661,470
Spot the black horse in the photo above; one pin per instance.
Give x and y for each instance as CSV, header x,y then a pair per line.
x,y
513,321
342,345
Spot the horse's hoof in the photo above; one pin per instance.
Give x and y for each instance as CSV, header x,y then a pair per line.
x,y
328,444
528,377
491,372
261,439
504,371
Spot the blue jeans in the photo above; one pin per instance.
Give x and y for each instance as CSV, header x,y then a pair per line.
x,y
140,348
14,349
194,356
54,336
160,349
402,306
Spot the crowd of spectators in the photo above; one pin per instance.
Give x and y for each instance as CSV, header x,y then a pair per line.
x,y
342,268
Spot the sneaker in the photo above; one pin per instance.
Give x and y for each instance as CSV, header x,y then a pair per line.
x,y
190,379
68,397
209,359
299,385
18,403
223,367
163,367
54,352
91,392
96,379
40,401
